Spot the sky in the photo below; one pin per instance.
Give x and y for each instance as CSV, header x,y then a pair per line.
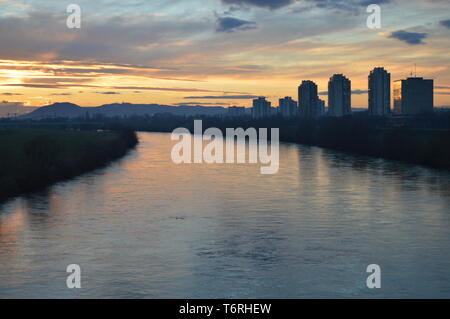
x,y
213,52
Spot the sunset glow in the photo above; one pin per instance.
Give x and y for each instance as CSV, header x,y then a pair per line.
x,y
212,52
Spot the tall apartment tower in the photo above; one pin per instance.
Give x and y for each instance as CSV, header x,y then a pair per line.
x,y
413,96
308,100
288,107
339,96
379,92
321,104
261,108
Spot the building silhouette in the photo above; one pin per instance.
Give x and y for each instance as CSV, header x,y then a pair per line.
x,y
339,96
261,108
413,96
379,92
236,111
321,107
288,107
308,100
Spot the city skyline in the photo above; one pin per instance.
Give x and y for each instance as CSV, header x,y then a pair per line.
x,y
213,53
411,96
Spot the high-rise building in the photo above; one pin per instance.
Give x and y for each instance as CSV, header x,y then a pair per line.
x,y
413,96
261,108
321,107
288,107
339,96
379,92
308,100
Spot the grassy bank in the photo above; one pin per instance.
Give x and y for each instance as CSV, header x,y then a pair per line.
x,y
34,158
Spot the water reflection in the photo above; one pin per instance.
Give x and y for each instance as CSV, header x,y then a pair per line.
x,y
409,176
145,227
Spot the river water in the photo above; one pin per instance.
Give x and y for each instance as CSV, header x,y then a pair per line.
x,y
144,227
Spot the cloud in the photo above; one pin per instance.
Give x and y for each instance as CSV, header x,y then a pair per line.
x,y
413,38
359,92
229,24
346,5
10,94
269,4
61,94
442,87
223,97
142,88
369,2
445,23
108,93
11,104
58,80
42,35
86,71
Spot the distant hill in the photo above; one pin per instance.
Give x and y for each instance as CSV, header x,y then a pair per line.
x,y
70,110
66,110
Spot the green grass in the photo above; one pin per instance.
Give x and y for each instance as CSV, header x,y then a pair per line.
x,y
34,158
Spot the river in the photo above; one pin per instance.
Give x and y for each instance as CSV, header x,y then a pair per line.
x,y
144,227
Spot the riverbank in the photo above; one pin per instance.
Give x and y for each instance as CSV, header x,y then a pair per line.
x,y
419,140
35,158
426,146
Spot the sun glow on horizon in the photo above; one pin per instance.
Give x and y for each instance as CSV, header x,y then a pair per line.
x,y
165,55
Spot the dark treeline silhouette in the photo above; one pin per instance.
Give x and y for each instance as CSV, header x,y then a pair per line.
x,y
32,158
422,140
424,146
